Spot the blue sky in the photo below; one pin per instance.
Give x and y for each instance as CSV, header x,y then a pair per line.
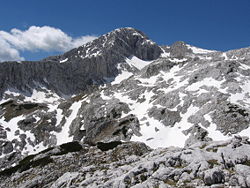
x,y
210,24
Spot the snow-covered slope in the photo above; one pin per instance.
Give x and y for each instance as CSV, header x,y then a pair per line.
x,y
171,102
163,96
133,63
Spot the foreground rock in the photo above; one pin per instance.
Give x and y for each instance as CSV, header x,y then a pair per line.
x,y
133,164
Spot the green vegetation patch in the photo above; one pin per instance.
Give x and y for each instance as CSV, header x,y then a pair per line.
x,y
170,182
212,150
212,163
247,163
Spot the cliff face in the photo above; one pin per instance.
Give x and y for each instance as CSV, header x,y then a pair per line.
x,y
75,70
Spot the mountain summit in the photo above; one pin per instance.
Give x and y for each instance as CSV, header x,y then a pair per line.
x,y
75,70
117,97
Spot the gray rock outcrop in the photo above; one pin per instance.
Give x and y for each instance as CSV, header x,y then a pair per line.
x,y
133,164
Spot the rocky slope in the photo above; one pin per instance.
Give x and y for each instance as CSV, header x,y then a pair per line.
x,y
124,87
132,164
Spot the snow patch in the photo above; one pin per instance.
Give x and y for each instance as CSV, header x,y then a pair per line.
x,y
224,55
12,126
245,132
122,76
62,61
166,136
136,62
175,60
63,136
210,82
212,130
238,98
199,50
103,96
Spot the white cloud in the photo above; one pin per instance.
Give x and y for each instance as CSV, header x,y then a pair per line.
x,y
82,40
7,53
37,39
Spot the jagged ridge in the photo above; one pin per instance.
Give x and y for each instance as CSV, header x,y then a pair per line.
x,y
79,68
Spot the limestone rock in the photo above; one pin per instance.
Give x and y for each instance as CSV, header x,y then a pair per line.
x,y
131,164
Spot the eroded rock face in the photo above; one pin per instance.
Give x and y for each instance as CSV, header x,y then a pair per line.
x,y
234,114
79,68
155,68
214,176
196,134
167,117
179,49
103,122
133,164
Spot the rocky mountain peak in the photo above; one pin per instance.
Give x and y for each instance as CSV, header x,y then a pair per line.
x,y
179,49
138,94
125,32
122,42
74,71
132,30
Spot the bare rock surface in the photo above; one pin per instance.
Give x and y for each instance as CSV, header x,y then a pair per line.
x,y
133,164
